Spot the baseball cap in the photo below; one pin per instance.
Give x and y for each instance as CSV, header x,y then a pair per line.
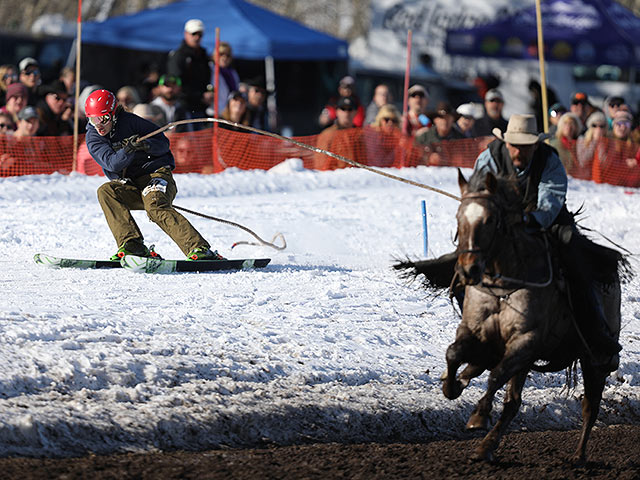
x,y
347,102
27,113
473,110
579,97
194,25
164,79
418,89
237,94
347,81
17,89
615,101
442,110
494,94
26,62
557,109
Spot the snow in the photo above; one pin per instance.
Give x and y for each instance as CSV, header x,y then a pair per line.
x,y
325,344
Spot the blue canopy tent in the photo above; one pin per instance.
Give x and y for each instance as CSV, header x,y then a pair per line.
x,y
587,32
254,33
116,51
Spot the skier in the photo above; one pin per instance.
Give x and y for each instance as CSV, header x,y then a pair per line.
x,y
140,178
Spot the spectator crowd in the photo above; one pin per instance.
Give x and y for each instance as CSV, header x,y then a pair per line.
x,y
592,140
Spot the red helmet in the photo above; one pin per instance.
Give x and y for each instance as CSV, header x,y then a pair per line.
x,y
100,102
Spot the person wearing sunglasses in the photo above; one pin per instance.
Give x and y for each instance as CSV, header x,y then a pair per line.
x,y
619,164
140,178
385,143
611,105
190,63
8,75
342,137
417,120
581,106
493,117
55,111
228,78
591,145
31,78
6,124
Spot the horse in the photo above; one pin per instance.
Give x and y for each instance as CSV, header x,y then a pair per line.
x,y
516,314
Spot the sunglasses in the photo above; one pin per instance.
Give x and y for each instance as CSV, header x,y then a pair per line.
x,y
615,104
495,100
197,34
100,120
622,124
32,72
417,94
5,125
10,76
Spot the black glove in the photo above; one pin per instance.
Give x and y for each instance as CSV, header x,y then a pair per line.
x,y
131,144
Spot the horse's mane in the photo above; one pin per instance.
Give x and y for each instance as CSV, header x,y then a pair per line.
x,y
507,188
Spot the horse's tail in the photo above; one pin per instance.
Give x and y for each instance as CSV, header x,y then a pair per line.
x,y
438,272
606,265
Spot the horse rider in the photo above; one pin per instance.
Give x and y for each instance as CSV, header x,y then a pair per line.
x,y
520,151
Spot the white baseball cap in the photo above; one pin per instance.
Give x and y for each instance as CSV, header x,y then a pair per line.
x,y
194,25
470,110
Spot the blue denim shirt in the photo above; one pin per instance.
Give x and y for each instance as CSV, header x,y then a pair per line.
x,y
552,189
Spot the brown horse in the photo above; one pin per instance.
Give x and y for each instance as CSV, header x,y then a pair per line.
x,y
516,314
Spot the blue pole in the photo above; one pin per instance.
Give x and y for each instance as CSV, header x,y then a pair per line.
x,y
425,233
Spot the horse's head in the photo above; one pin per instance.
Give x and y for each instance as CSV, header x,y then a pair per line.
x,y
480,223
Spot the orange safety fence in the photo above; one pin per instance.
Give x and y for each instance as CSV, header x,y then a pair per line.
x,y
606,161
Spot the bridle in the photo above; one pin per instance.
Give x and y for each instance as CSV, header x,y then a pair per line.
x,y
501,227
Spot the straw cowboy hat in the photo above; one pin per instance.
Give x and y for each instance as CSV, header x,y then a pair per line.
x,y
521,130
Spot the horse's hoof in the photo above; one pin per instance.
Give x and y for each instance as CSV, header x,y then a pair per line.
x,y
578,460
452,390
482,455
477,422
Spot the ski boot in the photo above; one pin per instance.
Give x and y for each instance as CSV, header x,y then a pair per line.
x,y
204,253
134,247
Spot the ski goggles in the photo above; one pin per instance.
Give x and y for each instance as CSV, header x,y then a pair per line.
x,y
100,120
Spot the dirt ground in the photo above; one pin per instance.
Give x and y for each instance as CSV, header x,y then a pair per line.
x,y
613,454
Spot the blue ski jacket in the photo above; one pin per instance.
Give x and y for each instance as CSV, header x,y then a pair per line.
x,y
107,151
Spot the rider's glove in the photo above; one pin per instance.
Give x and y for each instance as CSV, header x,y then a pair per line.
x,y
132,144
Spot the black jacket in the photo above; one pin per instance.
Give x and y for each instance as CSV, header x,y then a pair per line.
x,y
192,66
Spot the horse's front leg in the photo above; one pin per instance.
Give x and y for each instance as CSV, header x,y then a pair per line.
x,y
463,350
594,381
512,402
516,362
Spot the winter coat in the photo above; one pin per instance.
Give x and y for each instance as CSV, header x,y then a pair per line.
x,y
116,163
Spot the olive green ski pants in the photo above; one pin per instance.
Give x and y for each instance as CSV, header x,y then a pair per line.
x,y
153,193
